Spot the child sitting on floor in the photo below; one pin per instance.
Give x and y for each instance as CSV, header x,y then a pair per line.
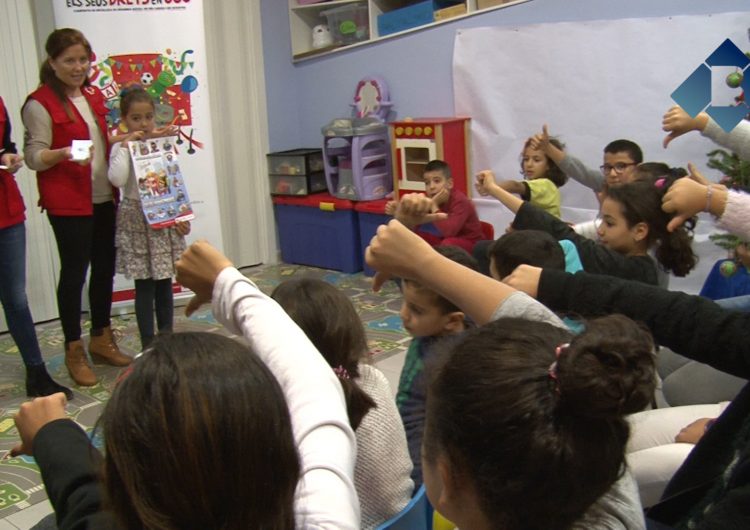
x,y
331,323
542,177
435,323
453,214
632,224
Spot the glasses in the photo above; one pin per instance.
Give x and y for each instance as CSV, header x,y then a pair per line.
x,y
618,167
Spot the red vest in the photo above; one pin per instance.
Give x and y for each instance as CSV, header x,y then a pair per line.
x,y
11,202
65,188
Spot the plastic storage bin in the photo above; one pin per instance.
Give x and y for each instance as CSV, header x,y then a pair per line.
x,y
319,230
348,23
298,184
371,214
296,172
412,16
295,162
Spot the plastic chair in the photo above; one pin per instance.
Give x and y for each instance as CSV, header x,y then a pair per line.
x,y
417,515
488,230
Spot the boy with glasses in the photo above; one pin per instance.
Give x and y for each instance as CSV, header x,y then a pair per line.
x,y
620,159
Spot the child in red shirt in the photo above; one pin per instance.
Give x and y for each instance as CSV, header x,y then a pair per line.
x,y
459,226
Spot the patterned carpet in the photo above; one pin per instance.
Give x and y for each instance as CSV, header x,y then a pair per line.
x,y
20,482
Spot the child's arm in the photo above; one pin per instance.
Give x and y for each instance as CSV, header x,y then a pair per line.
x,y
325,496
397,251
487,185
570,165
119,165
414,209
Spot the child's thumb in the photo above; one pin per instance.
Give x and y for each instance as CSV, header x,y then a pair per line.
x,y
668,138
192,306
379,279
676,222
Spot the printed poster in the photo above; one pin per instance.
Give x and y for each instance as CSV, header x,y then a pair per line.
x,y
161,186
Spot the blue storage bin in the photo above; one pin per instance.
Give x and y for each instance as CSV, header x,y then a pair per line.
x,y
411,16
319,230
371,215
405,18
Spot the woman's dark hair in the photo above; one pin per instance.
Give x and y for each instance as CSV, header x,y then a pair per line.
x,y
539,438
134,94
198,435
332,324
526,247
640,202
57,42
555,174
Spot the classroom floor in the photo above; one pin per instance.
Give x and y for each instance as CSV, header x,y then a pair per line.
x,y
23,501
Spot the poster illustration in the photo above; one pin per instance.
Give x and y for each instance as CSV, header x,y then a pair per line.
x,y
164,196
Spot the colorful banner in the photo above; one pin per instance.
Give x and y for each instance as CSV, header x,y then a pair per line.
x,y
159,45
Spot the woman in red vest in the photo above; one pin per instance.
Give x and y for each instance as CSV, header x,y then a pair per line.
x,y
76,194
13,269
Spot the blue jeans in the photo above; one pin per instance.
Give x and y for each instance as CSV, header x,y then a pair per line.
x,y
13,293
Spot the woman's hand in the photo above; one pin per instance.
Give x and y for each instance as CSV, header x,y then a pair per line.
x,y
12,161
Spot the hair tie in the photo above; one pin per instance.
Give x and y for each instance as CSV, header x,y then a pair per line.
x,y
660,182
341,372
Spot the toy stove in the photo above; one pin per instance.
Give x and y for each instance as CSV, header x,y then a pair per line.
x,y
356,152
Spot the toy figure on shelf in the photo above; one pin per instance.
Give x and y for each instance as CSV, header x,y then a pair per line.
x,y
321,37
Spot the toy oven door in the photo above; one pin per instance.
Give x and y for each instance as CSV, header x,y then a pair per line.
x,y
412,156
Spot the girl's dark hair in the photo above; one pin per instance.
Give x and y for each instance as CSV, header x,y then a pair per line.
x,y
652,171
199,416
539,442
555,174
640,202
332,324
57,42
133,94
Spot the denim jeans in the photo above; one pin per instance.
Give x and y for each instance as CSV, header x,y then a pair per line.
x,y
13,293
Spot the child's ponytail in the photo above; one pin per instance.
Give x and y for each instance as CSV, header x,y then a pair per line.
x,y
533,419
331,323
641,203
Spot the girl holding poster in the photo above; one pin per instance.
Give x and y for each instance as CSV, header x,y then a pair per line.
x,y
145,253
66,144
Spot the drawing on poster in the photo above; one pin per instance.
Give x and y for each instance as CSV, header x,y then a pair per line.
x,y
164,196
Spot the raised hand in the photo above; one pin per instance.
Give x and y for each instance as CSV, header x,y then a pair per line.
x,y
395,251
32,416
678,122
525,278
197,269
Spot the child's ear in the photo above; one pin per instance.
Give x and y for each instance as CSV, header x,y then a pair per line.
x,y
455,322
449,183
640,232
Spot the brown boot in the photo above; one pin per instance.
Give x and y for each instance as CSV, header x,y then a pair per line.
x,y
103,349
78,364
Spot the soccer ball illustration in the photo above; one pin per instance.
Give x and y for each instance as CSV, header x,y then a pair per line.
x,y
147,79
